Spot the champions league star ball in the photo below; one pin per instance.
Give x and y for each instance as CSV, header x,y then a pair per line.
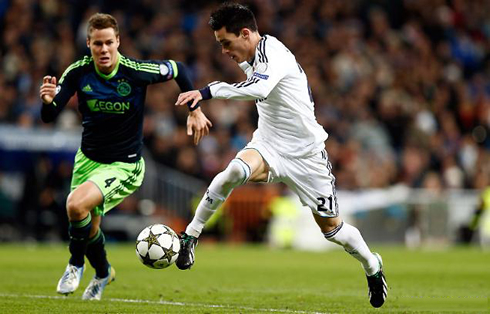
x,y
157,246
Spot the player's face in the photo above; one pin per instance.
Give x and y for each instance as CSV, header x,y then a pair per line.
x,y
103,44
239,48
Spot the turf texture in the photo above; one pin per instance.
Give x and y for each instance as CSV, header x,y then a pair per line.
x,y
251,279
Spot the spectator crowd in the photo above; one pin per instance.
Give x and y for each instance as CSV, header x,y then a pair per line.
x,y
401,86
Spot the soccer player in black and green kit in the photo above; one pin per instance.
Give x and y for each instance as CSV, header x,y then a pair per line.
x,y
111,90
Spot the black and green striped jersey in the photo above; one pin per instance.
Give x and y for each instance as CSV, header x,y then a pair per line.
x,y
112,105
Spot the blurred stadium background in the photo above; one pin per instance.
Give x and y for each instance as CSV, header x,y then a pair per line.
x,y
401,86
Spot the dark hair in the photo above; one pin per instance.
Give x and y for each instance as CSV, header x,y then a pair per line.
x,y
101,21
233,17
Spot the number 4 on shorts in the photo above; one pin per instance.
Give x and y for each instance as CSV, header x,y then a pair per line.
x,y
109,181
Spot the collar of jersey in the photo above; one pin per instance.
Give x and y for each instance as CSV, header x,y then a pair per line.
x,y
110,75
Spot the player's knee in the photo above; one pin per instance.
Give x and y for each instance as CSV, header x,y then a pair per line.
x,y
75,208
236,173
331,232
327,225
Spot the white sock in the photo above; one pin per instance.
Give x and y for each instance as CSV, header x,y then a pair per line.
x,y
206,208
237,173
351,240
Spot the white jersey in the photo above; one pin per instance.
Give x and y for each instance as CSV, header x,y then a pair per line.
x,y
281,92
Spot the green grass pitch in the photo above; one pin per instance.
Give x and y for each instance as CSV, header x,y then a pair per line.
x,y
251,279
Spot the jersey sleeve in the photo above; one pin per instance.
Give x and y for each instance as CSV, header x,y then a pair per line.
x,y
66,88
151,71
184,81
265,76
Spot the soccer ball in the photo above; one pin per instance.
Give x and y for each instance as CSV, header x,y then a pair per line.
x,y
157,246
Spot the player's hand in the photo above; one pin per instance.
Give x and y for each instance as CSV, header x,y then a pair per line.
x,y
48,89
198,125
192,96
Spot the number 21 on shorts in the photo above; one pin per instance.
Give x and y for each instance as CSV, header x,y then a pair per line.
x,y
328,205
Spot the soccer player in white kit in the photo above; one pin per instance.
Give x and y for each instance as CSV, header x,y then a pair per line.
x,y
288,145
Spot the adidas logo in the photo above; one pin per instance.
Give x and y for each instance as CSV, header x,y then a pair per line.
x,y
87,88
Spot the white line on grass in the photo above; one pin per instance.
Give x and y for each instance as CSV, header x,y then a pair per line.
x,y
162,302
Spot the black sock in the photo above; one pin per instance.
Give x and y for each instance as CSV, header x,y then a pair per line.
x,y
79,232
97,256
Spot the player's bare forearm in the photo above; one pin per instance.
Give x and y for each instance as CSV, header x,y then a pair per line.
x,y
193,96
198,125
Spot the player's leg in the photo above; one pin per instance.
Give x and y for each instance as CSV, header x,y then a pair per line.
x,y
116,181
349,237
247,166
312,179
79,204
95,252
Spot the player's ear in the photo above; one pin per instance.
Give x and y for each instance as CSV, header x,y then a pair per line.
x,y
117,41
245,33
88,42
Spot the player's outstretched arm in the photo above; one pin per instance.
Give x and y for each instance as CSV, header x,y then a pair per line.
x,y
185,84
198,125
197,122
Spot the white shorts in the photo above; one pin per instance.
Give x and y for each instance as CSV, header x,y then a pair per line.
x,y
309,177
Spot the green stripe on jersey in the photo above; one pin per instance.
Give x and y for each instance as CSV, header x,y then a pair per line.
x,y
150,65
77,64
175,68
141,66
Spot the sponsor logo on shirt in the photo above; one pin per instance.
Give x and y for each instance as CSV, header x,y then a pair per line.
x,y
117,107
261,76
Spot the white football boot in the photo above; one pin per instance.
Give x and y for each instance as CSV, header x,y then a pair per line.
x,y
70,280
97,285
